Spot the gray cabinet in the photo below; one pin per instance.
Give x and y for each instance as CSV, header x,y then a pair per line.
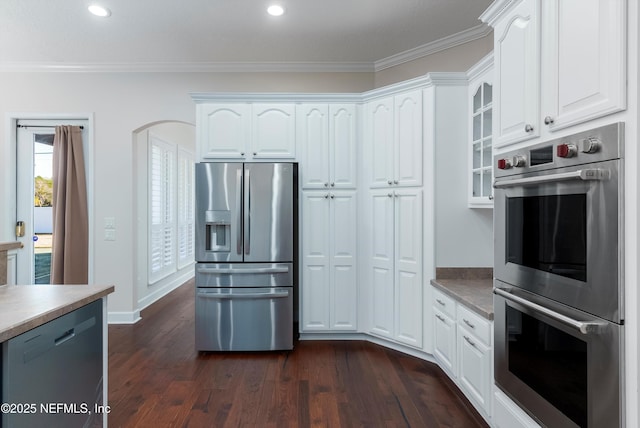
x,y
57,365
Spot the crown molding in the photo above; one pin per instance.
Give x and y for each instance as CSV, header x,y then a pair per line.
x,y
481,66
239,97
457,39
496,10
191,67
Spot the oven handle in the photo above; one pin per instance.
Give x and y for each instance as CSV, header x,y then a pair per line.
x,y
582,174
583,327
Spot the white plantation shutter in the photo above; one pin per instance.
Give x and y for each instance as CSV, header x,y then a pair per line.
x,y
186,214
162,208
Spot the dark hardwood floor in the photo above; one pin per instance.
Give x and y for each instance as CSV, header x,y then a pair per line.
x,y
157,379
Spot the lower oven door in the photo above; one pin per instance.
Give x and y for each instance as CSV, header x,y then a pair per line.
x,y
244,319
561,365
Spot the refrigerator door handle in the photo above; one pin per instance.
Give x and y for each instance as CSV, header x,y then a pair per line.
x,y
239,210
268,295
247,212
241,271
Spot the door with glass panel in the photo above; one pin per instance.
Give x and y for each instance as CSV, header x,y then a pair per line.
x,y
34,197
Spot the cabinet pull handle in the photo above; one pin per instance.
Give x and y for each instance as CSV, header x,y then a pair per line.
x,y
528,128
441,302
440,318
548,120
469,341
468,323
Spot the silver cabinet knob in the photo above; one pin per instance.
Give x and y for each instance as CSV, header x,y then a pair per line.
x,y
333,184
255,153
395,181
548,120
326,196
326,184
528,128
491,197
390,195
389,182
241,153
332,196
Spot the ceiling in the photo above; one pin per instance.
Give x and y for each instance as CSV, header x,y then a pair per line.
x,y
199,34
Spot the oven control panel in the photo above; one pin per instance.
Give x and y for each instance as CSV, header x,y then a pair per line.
x,y
599,144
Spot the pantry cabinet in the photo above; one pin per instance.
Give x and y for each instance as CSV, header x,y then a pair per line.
x,y
396,265
558,63
329,293
327,135
246,131
394,138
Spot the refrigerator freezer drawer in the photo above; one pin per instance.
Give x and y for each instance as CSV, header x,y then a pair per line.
x,y
244,275
244,319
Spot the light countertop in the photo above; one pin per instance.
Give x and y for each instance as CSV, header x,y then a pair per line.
x,y
6,246
476,294
23,307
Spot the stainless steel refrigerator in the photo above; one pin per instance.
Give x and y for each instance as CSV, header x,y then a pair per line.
x,y
246,247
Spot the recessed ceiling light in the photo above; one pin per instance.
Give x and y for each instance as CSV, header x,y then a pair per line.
x,y
275,10
100,11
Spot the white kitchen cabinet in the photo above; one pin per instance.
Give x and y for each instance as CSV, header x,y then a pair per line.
x,y
327,136
474,358
245,131
396,263
584,57
444,332
273,130
507,414
558,63
463,349
394,140
224,131
329,293
481,137
517,71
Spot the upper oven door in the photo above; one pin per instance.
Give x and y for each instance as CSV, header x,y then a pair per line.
x,y
558,234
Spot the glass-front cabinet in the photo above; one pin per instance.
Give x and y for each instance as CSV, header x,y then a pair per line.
x,y
480,133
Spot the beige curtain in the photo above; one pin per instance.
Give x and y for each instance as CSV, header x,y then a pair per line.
x,y
69,258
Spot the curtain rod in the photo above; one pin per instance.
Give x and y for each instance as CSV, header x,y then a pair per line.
x,y
41,126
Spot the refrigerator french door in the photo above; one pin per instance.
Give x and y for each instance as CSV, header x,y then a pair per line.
x,y
245,247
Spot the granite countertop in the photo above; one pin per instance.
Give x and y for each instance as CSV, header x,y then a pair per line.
x,y
473,289
24,307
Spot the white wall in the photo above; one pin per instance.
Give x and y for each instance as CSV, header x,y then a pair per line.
x,y
464,236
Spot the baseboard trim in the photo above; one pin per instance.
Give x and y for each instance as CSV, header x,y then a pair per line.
x,y
123,317
158,294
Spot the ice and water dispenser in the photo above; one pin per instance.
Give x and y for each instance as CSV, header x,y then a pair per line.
x,y
218,231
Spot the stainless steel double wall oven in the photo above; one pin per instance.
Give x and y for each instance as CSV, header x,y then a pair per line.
x,y
558,290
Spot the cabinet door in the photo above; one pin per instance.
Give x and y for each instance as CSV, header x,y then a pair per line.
x,y
315,261
313,139
382,262
474,359
343,260
223,130
444,341
343,136
408,266
517,59
481,159
584,60
273,131
408,139
380,144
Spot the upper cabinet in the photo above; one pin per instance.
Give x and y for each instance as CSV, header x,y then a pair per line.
x,y
327,136
246,131
481,104
556,65
394,140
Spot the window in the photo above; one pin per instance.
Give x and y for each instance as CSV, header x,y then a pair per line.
x,y
171,208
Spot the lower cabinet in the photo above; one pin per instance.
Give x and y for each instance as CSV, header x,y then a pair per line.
x,y
329,297
507,414
463,348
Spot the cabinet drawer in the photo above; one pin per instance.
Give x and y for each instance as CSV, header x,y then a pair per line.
x,y
474,323
444,303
